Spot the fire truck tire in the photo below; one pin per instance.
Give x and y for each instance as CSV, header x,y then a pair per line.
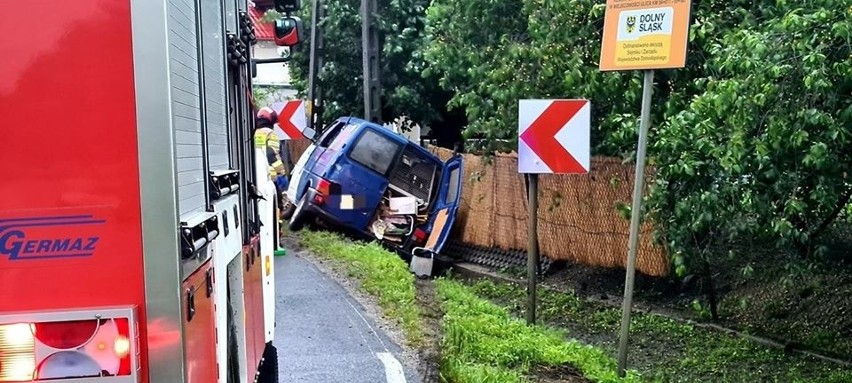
x,y
269,369
300,216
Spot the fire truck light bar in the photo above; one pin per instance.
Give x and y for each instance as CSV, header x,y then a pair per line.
x,y
89,346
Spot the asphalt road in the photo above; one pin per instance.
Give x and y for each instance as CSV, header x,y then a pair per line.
x,y
324,336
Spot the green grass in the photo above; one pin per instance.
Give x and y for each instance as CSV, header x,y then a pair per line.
x,y
380,273
667,350
483,343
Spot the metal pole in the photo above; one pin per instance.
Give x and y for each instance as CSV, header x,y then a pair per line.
x,y
635,216
532,248
372,69
314,89
279,60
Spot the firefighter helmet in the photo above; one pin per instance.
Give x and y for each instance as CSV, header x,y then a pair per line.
x,y
267,115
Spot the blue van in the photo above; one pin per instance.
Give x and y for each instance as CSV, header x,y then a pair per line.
x,y
366,178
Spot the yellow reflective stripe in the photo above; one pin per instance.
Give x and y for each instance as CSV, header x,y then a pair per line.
x,y
263,137
274,144
259,139
278,168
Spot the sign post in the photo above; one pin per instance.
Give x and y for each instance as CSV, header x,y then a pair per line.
x,y
532,247
642,35
553,137
635,215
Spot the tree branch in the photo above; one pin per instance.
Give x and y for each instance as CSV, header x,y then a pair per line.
x,y
841,204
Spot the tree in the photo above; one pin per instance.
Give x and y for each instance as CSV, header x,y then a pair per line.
x,y
750,141
404,91
763,151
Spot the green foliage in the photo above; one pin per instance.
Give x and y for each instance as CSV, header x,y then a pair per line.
x,y
400,24
260,95
470,41
665,349
762,152
494,53
380,273
483,343
270,16
750,140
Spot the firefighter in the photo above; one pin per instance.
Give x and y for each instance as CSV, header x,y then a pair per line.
x,y
266,139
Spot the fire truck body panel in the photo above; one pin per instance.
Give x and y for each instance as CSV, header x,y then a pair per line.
x,y
116,116
228,266
68,202
200,326
158,190
268,207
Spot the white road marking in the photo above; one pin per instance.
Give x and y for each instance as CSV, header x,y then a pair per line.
x,y
393,369
372,330
394,372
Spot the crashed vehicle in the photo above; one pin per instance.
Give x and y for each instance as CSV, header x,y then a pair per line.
x,y
368,179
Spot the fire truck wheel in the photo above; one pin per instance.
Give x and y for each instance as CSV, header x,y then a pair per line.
x,y
300,216
269,369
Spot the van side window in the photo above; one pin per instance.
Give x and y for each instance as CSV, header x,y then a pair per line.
x,y
331,131
452,193
342,137
375,151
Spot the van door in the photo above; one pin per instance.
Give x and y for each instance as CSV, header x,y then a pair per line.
x,y
365,169
446,205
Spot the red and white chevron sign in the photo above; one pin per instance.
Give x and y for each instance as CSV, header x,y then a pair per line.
x,y
553,136
292,120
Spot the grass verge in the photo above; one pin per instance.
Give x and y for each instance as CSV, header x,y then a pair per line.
x,y
665,350
380,273
484,343
481,342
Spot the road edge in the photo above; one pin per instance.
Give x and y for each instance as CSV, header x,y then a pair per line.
x,y
409,357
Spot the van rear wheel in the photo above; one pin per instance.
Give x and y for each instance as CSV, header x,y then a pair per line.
x,y
289,209
300,215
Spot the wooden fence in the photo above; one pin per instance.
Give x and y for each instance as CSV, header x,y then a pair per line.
x,y
578,216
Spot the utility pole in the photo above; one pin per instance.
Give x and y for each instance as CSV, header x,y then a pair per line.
x,y
314,88
372,69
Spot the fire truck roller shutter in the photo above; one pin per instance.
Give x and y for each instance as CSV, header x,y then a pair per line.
x,y
214,85
186,106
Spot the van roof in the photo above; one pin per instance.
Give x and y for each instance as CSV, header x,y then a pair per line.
x,y
387,132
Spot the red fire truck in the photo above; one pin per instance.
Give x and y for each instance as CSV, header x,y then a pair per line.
x,y
137,222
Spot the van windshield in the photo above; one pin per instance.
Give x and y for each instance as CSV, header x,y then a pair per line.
x,y
375,151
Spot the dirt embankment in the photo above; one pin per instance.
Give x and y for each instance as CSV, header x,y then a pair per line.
x,y
431,314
